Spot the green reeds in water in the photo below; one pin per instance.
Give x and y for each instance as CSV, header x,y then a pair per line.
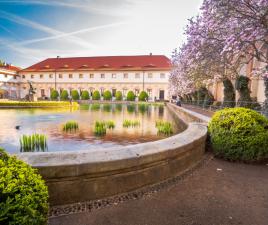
x,y
101,127
164,127
131,123
33,143
70,126
110,124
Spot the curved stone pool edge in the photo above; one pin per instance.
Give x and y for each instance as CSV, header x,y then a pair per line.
x,y
82,176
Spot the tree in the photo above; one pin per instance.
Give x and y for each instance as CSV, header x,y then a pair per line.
x,y
107,95
75,95
85,95
96,95
143,96
54,95
64,96
118,95
131,96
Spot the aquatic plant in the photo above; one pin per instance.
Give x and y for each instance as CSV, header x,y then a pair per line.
x,y
100,128
131,123
34,142
110,124
164,127
70,126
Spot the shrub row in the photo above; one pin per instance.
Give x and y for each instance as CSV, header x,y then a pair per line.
x,y
38,104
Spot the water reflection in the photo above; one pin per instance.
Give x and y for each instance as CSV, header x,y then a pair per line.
x,y
50,121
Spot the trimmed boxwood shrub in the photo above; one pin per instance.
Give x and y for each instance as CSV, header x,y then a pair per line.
x,y
75,95
54,95
239,134
96,95
143,96
85,95
107,95
23,193
64,95
131,96
118,96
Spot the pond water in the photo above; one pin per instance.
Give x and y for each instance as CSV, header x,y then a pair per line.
x,y
50,122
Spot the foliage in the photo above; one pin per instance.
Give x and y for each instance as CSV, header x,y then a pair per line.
x,y
107,95
41,104
75,95
143,96
241,85
85,95
54,95
96,95
164,127
64,96
239,134
70,126
118,96
265,105
95,107
32,143
131,123
107,107
99,128
228,94
110,124
131,108
23,193
131,96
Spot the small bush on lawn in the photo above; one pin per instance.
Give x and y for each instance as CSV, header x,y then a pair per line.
x,y
23,193
118,96
75,95
107,95
85,95
130,96
64,95
96,95
143,96
54,95
239,134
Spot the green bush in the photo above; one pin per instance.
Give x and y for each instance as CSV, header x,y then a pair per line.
x,y
75,95
23,193
96,95
107,95
143,96
64,95
54,95
239,134
85,95
118,96
131,96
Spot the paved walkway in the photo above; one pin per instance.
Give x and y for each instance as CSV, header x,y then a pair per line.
x,y
218,193
199,110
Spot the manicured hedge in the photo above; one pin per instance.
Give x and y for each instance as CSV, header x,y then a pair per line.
x,y
7,104
23,193
85,95
143,96
96,95
239,134
118,96
64,95
75,95
131,96
54,95
107,95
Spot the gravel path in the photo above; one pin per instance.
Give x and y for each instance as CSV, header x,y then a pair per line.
x,y
216,193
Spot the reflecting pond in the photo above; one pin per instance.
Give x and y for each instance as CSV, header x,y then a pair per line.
x,y
50,122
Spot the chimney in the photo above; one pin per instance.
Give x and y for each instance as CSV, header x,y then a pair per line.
x,y
151,54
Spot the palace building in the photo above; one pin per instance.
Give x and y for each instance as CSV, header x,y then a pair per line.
x,y
115,73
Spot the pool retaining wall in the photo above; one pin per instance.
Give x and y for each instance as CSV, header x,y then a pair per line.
x,y
85,175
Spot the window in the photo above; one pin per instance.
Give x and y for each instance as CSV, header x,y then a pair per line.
x,y
15,77
60,75
113,75
137,75
43,94
162,75
149,91
101,91
80,76
41,76
70,76
124,92
50,75
5,75
125,75
150,75
23,76
91,75
32,76
102,75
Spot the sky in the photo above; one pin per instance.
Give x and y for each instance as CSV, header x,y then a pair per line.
x,y
33,30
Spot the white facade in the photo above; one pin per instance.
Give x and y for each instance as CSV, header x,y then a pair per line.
x,y
9,83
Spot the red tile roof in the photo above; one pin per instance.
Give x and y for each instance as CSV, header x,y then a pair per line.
x,y
146,62
10,67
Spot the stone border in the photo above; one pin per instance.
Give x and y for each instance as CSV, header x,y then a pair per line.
x,y
81,176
